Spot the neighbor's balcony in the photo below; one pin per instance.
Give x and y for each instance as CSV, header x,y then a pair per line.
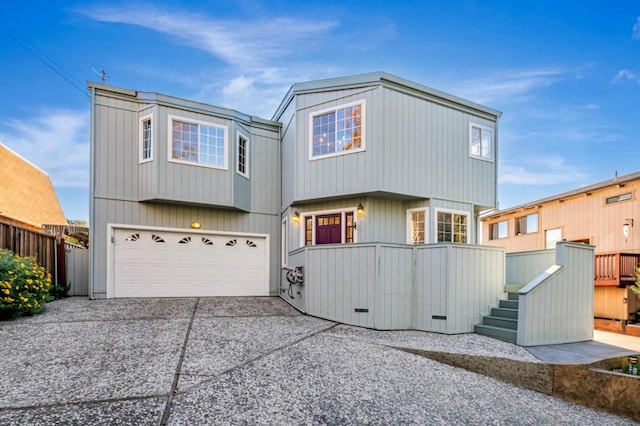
x,y
617,269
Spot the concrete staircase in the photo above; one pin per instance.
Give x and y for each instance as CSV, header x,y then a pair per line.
x,y
502,324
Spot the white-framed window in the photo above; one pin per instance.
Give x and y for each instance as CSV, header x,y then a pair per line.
x,y
285,243
481,142
329,227
146,138
499,230
198,142
452,226
552,236
242,155
337,130
417,232
527,224
618,198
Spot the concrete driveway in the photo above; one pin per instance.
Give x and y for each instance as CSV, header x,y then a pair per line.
x,y
248,361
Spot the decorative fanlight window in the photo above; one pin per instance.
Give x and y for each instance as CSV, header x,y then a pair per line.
x,y
231,243
157,238
133,237
206,241
251,244
185,240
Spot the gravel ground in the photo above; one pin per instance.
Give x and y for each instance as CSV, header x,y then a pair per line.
x,y
249,361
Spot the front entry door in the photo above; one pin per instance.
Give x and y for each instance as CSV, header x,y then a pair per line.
x,y
329,229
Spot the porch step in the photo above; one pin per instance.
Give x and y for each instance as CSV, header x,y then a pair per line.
x,y
513,296
499,333
508,323
509,304
504,313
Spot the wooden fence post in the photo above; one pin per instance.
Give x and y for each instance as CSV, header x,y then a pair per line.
x,y
61,278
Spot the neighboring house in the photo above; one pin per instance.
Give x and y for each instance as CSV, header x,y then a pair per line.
x,y
605,215
27,196
371,185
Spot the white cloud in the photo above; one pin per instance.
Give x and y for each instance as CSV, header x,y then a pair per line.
x,y
242,43
549,170
626,75
508,84
56,141
636,30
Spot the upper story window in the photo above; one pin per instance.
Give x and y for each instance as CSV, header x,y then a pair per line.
x,y
452,227
617,198
337,131
480,142
146,144
243,156
499,230
527,224
417,226
199,143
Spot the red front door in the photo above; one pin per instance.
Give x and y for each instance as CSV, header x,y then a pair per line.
x,y
329,229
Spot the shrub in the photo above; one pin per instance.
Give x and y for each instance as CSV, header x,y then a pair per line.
x,y
24,285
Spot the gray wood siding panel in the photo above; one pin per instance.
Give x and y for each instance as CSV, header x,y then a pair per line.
x,y
178,216
265,172
116,174
289,164
413,147
432,272
522,267
343,174
476,283
394,285
338,280
559,308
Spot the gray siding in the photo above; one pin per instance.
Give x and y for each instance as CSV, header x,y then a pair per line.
x,y
414,148
557,306
188,192
455,285
441,288
524,266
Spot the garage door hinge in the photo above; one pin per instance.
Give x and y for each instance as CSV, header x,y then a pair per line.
x,y
113,239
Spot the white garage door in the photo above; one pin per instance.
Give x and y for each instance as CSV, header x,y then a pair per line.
x,y
156,263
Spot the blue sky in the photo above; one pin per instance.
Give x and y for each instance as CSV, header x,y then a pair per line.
x,y
565,74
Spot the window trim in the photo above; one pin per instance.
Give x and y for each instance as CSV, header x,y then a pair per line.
x,y
410,225
491,157
452,211
141,121
546,235
617,198
527,232
506,222
170,159
362,148
240,136
343,221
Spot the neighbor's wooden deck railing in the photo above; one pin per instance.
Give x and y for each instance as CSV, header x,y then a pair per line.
x,y
616,268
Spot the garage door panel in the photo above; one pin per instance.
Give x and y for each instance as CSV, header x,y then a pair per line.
x,y
183,264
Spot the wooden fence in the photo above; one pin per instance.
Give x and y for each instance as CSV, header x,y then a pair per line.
x,y
44,248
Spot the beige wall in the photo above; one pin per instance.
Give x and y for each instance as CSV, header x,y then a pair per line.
x,y
583,216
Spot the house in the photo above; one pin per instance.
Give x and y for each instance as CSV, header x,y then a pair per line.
x,y
27,196
358,202
605,215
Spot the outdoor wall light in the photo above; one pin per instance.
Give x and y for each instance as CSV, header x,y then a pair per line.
x,y
625,228
296,217
360,210
195,225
